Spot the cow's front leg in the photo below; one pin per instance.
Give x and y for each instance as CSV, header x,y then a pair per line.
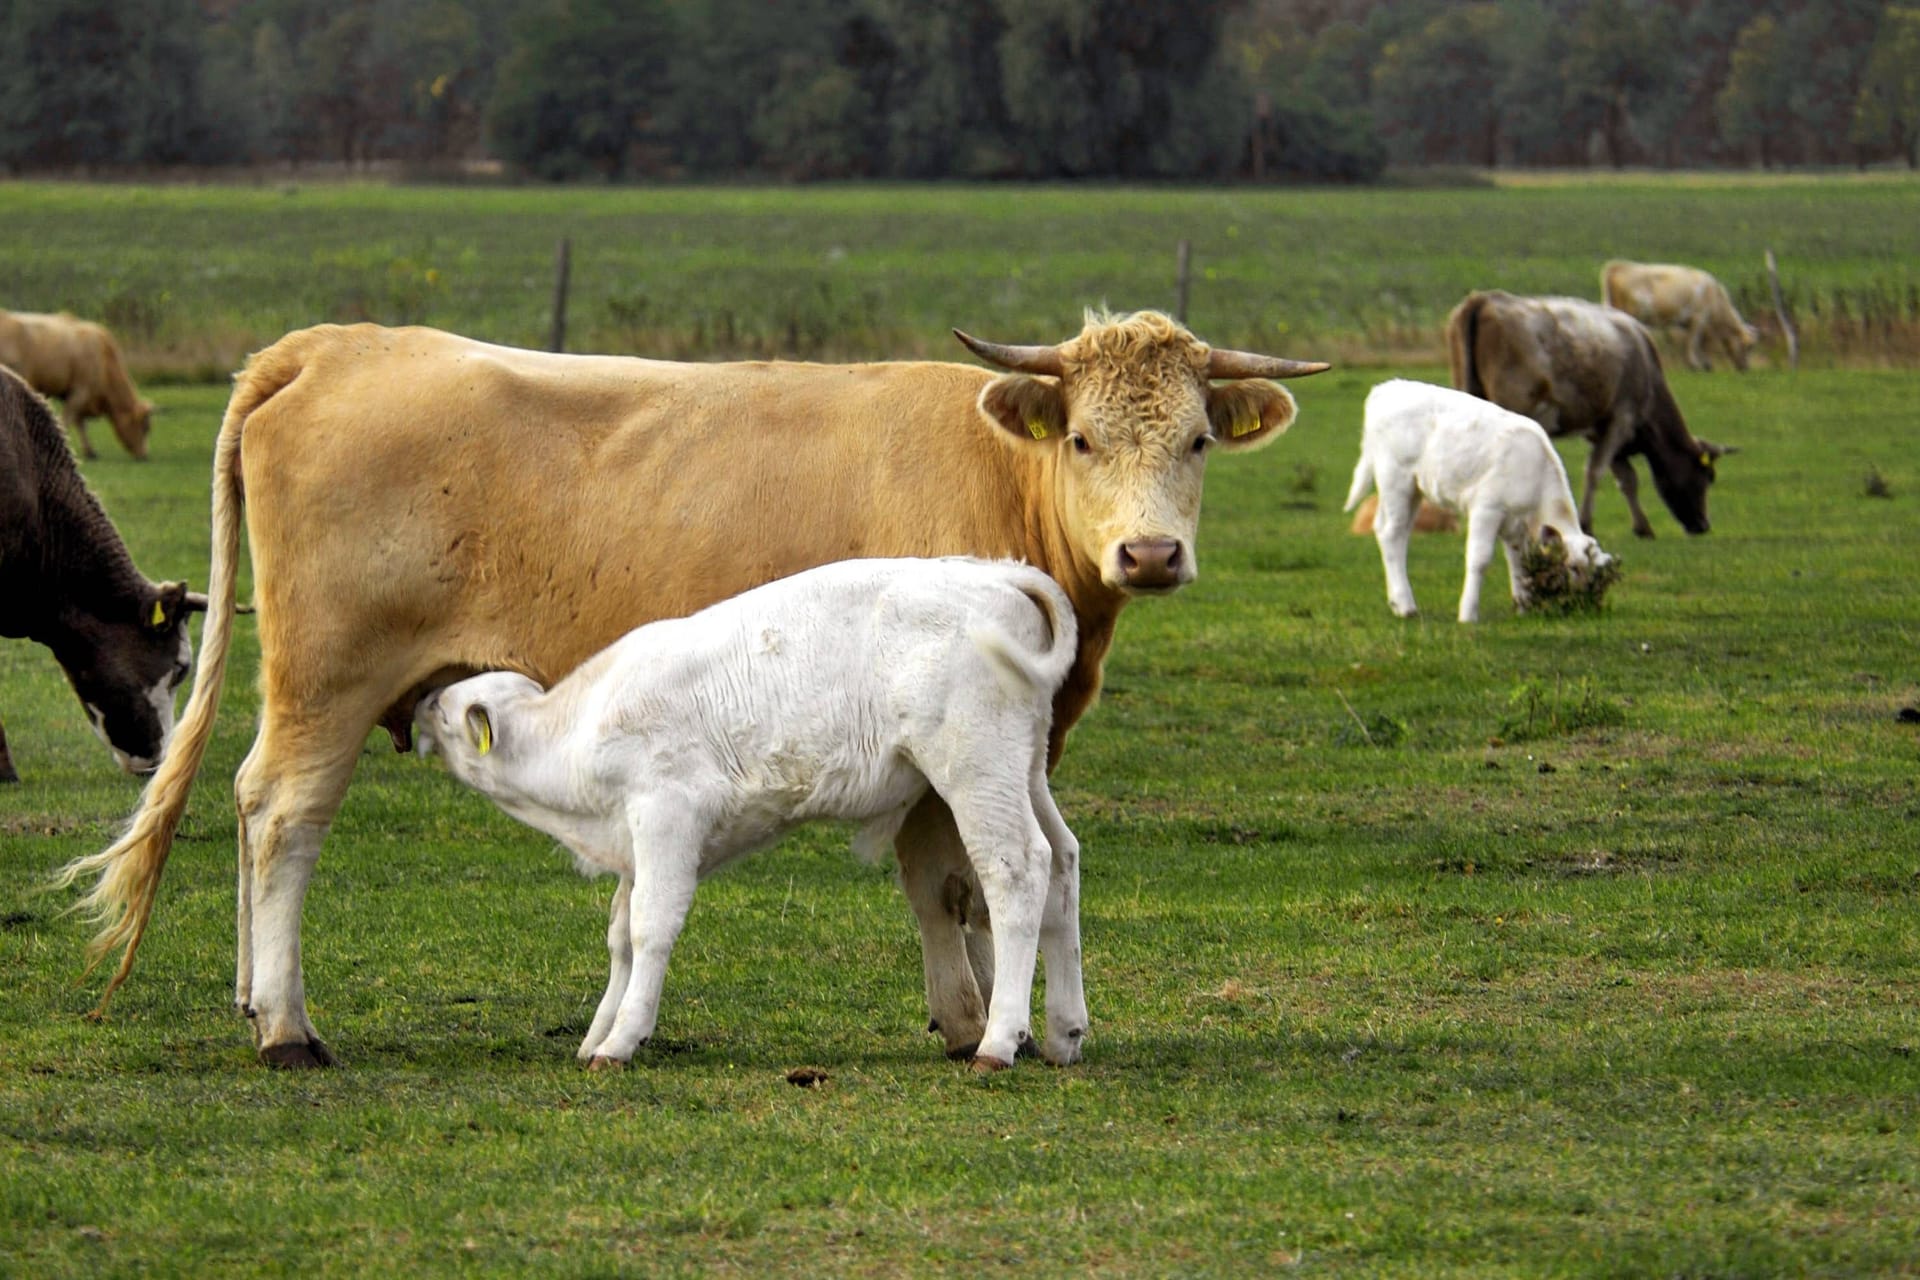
x,y
620,956
666,870
78,425
1483,533
7,773
938,882
1629,482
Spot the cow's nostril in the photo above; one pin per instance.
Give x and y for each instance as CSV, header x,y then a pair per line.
x,y
1151,562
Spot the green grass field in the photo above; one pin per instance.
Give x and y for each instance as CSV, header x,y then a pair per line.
x,y
193,278
1580,946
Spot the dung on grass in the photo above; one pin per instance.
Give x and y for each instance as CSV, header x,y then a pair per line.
x,y
1550,584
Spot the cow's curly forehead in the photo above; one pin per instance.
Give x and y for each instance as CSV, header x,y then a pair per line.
x,y
1143,370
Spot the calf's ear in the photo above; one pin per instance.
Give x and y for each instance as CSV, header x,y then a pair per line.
x,y
1027,407
480,728
1246,415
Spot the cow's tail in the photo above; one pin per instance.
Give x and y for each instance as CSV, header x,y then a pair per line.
x,y
1463,327
121,900
1606,283
1024,672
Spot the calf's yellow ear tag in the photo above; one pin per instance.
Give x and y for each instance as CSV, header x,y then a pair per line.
x,y
159,618
480,729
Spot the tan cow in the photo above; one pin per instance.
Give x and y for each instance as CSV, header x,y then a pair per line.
x,y
421,507
1427,518
78,362
1686,303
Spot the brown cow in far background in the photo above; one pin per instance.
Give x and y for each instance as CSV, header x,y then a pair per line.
x,y
79,362
1682,301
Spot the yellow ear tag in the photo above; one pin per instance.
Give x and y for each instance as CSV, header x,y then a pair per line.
x,y
1706,460
1244,426
159,616
1036,428
482,730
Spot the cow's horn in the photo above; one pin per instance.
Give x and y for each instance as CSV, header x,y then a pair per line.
x,y
1245,364
196,602
1718,450
1042,360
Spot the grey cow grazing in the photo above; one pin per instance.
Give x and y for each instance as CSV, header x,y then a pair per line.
x,y
67,582
1582,369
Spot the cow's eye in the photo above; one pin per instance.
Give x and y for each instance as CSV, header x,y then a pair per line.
x,y
1079,443
1203,442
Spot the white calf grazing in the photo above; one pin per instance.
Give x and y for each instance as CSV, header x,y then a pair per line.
x,y
842,692
1495,468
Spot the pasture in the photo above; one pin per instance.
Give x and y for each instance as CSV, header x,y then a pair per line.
x,y
1552,946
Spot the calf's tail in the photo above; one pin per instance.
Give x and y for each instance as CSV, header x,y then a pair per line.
x,y
1022,671
121,900
1362,481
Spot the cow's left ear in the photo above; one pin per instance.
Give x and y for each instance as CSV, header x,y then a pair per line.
x,y
1027,407
168,607
1246,415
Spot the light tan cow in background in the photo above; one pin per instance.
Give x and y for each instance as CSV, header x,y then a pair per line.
x,y
1686,303
421,507
78,362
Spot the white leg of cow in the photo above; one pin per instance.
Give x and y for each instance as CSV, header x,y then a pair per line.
x,y
666,870
1392,528
1697,348
1483,534
284,814
620,955
932,858
1629,482
1060,933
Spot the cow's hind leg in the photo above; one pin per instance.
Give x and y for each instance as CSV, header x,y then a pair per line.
x,y
7,773
940,887
287,792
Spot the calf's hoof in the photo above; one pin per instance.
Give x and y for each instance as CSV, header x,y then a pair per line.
x,y
298,1055
600,1062
986,1065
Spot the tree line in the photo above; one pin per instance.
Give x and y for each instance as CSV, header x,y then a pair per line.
x,y
1250,90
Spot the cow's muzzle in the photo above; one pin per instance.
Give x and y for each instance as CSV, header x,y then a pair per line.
x,y
1152,564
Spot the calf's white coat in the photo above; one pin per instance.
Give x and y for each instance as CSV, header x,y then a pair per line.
x,y
842,692
1496,469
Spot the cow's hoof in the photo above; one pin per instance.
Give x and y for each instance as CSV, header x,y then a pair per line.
x,y
600,1062
984,1065
298,1055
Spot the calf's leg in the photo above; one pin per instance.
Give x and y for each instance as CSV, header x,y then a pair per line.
x,y
620,953
1483,533
666,870
1392,527
932,862
1066,1025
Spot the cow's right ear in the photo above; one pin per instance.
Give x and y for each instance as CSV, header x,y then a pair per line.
x,y
1028,407
479,729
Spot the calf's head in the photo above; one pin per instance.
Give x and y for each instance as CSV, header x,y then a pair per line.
x,y
469,724
1130,409
126,671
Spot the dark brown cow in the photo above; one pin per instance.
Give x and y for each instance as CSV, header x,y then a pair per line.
x,y
67,582
1582,369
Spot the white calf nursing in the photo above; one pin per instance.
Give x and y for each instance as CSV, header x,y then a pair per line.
x,y
843,692
1495,468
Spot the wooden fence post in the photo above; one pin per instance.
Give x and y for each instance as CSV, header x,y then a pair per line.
x,y
1780,309
1182,260
562,265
